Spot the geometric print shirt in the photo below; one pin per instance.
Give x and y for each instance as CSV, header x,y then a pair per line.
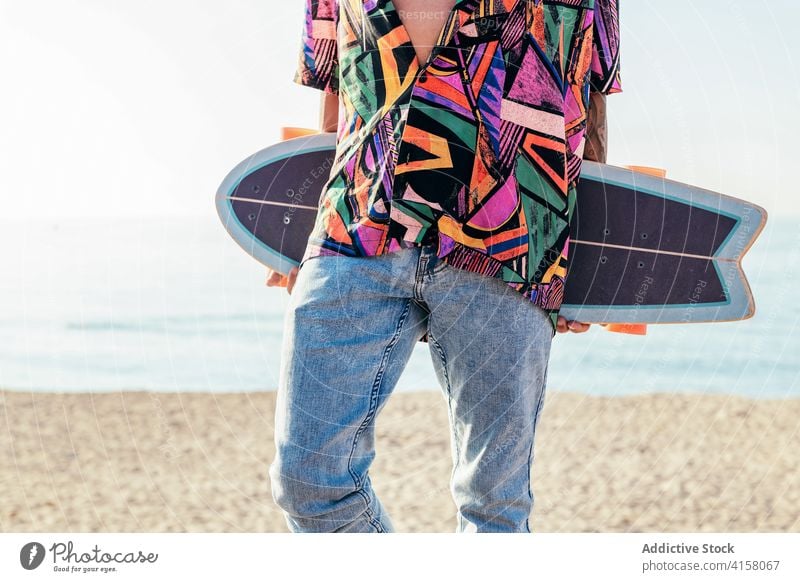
x,y
478,150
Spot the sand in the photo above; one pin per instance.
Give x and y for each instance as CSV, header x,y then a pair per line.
x,y
157,462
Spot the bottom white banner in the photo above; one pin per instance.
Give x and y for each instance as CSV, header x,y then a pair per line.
x,y
244,557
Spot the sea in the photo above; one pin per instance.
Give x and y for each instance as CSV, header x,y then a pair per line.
x,y
173,304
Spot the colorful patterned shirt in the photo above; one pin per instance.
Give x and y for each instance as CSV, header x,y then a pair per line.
x,y
479,149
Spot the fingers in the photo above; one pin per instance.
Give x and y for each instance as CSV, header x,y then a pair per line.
x,y
563,326
275,279
578,326
291,279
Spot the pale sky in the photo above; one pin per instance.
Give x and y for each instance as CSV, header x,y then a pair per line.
x,y
140,108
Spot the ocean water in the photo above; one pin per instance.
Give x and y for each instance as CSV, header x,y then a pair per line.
x,y
174,305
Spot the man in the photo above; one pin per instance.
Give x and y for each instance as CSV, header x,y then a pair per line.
x,y
461,127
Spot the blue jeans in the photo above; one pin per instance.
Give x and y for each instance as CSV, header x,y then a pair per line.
x,y
350,328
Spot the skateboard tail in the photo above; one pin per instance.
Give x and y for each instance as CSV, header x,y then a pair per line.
x,y
761,223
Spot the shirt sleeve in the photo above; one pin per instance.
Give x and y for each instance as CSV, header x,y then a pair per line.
x,y
318,65
605,75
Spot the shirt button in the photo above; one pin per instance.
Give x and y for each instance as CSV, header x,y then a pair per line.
x,y
423,77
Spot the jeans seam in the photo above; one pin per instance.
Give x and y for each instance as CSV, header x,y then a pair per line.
x,y
456,439
373,405
533,439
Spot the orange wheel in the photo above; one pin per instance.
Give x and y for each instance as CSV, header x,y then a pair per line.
x,y
657,172
631,328
292,132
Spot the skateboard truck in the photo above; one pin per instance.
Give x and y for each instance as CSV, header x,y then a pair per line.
x,y
635,328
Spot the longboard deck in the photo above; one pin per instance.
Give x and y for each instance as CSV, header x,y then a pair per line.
x,y
643,249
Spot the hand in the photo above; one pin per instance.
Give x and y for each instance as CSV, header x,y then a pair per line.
x,y
563,326
275,279
596,145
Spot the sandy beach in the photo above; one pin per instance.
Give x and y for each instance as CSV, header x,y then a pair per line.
x,y
158,462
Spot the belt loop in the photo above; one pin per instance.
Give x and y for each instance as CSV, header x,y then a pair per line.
x,y
419,276
430,252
